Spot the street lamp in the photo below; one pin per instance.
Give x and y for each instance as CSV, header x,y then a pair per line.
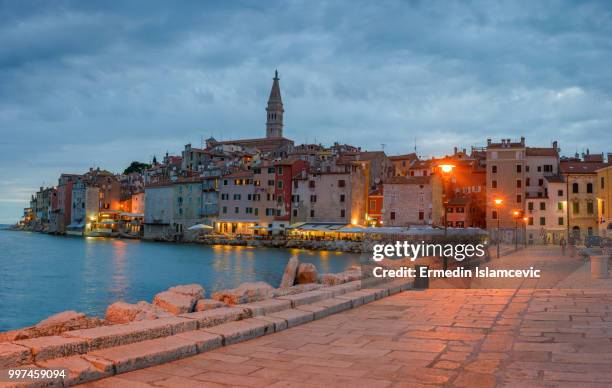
x,y
517,215
447,170
498,202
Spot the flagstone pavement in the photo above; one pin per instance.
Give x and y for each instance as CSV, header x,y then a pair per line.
x,y
438,337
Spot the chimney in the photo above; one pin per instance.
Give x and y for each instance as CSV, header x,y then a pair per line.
x,y
587,151
489,141
555,144
523,140
455,150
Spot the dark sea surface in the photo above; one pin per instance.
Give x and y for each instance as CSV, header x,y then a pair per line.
x,y
41,275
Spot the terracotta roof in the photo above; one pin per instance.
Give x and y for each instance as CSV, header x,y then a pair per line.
x,y
555,179
411,156
539,151
459,201
408,180
239,174
594,158
582,167
369,155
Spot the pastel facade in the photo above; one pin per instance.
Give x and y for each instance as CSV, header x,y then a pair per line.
x,y
159,211
604,201
413,201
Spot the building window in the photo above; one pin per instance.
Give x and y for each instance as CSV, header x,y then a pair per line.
x,y
342,197
421,216
494,214
494,169
519,168
341,183
575,188
372,205
225,182
279,184
539,168
294,212
589,188
236,210
270,182
542,221
519,183
256,211
342,213
576,207
560,220
312,213
530,221
270,170
393,215
494,184
526,168
311,184
224,209
519,198
602,182
279,170
542,205
560,193
559,205
548,168
540,182
313,198
590,208
527,182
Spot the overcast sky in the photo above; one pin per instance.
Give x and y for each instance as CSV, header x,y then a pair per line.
x,y
104,83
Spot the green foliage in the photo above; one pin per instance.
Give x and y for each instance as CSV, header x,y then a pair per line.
x,y
136,167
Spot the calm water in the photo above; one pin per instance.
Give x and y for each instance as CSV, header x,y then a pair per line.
x,y
41,275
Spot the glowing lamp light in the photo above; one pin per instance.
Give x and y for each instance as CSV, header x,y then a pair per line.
x,y
498,201
525,219
516,213
446,168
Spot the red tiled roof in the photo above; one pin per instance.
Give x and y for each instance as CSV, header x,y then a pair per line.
x,y
539,151
411,156
582,167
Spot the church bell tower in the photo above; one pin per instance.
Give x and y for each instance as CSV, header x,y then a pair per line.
x,y
274,122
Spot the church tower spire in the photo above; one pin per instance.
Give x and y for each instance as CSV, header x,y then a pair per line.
x,y
274,122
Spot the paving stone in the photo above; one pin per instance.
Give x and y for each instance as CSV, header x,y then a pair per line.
x,y
203,340
234,332
123,334
279,323
218,316
147,353
306,297
344,288
326,307
12,355
266,306
46,348
80,369
294,317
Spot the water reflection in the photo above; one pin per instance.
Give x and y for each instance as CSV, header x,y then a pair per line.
x,y
88,274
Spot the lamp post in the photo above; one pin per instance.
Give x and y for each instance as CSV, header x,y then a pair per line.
x,y
447,170
498,202
525,220
516,214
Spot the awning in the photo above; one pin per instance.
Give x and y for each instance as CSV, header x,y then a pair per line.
x,y
200,227
244,221
135,215
320,227
106,222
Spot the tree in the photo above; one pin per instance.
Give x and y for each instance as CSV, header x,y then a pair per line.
x,y
136,167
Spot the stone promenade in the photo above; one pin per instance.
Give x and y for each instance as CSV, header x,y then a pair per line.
x,y
438,337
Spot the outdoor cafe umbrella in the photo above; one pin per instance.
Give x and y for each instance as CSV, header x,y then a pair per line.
x,y
200,227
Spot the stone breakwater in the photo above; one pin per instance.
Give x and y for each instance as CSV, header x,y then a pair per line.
x,y
181,322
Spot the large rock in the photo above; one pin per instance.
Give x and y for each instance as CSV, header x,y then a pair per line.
x,y
54,325
122,312
332,279
194,290
245,293
175,303
208,304
291,269
306,273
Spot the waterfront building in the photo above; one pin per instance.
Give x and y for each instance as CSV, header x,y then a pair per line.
x,y
64,199
401,163
412,200
194,203
109,188
335,195
159,211
604,199
546,213
374,215
285,170
581,180
85,209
